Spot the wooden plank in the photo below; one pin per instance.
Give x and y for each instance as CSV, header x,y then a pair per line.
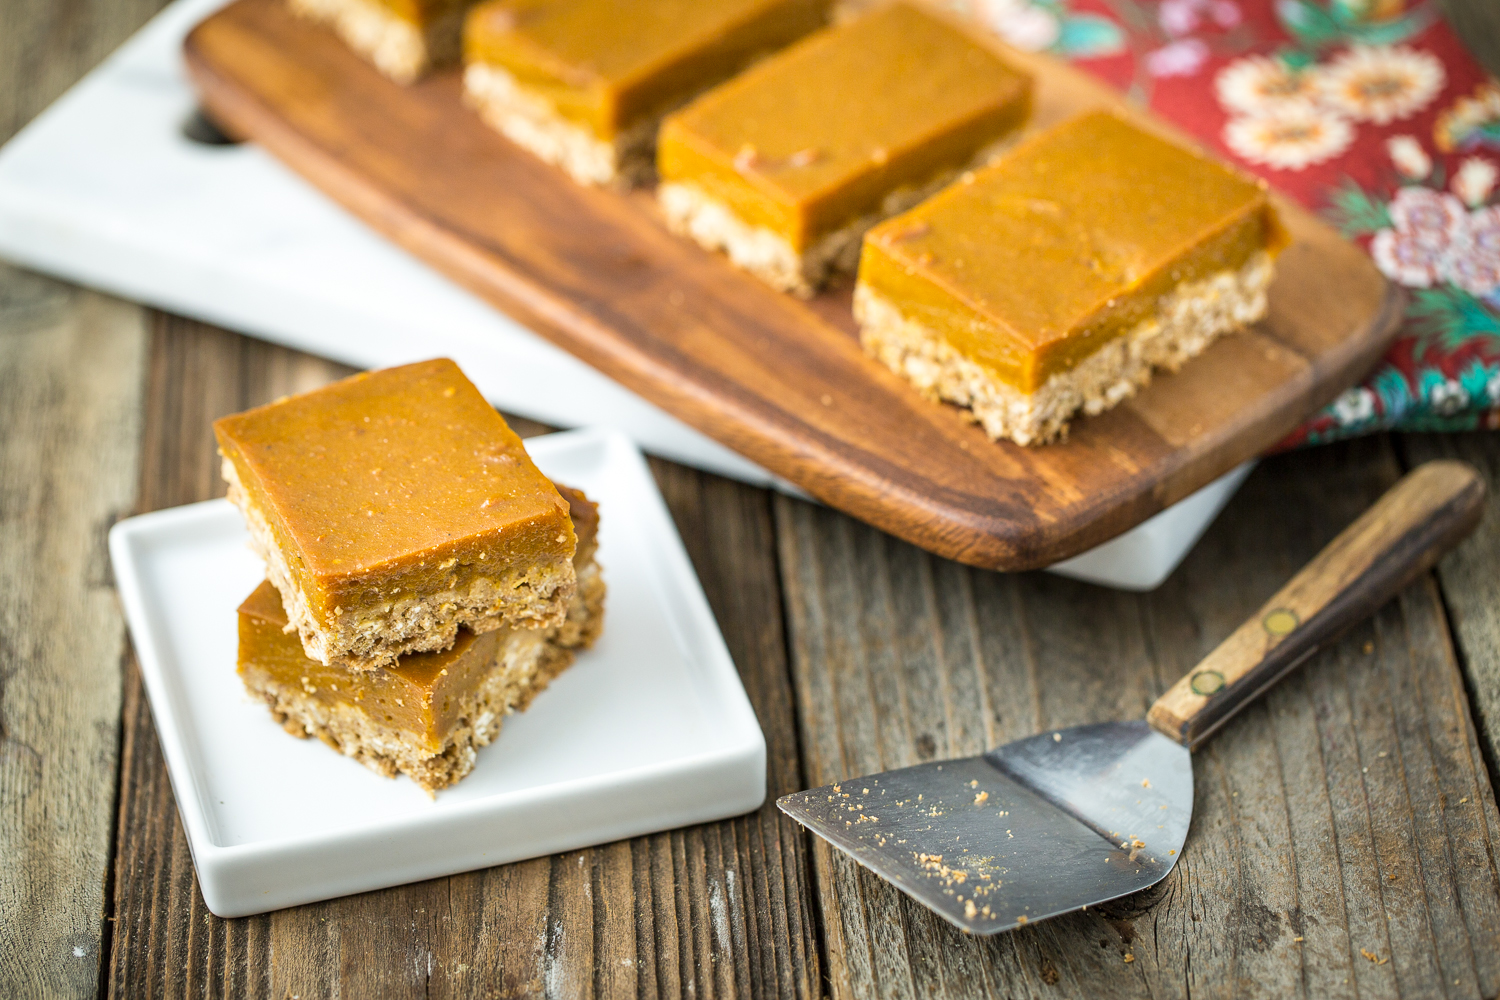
x,y
781,381
70,380
71,366
1470,579
719,909
1347,813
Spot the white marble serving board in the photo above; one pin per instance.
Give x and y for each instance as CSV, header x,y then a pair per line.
x,y
104,189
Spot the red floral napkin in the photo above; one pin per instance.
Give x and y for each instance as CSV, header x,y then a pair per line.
x,y
1370,112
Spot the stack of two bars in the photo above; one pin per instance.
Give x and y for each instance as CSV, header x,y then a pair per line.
x,y
424,578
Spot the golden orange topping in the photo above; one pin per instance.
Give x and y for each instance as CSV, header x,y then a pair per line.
x,y
420,12
1027,267
605,64
391,483
811,139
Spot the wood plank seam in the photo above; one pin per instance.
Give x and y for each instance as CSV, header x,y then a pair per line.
x,y
1451,864
1479,786
111,873
1486,747
810,902
1407,448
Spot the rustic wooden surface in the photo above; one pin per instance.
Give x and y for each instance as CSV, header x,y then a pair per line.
x,y
783,382
70,383
859,652
1350,809
1470,582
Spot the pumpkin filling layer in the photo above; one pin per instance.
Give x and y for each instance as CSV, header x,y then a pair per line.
x,y
1086,234
583,83
822,136
394,507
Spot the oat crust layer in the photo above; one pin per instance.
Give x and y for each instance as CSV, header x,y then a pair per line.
x,y
399,49
1184,324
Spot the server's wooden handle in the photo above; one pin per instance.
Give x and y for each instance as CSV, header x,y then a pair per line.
x,y
1418,520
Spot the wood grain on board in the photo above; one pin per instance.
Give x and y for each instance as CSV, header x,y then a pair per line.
x,y
721,909
781,381
1344,831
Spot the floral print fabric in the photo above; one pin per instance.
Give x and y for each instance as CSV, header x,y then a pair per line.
x,y
1370,112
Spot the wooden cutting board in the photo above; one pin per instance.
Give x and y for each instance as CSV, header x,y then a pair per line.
x,y
782,381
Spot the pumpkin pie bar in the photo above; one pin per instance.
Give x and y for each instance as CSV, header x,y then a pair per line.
x,y
786,166
427,715
395,507
584,83
1058,278
402,38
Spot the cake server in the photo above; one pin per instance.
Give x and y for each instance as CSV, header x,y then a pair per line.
x,y
1075,817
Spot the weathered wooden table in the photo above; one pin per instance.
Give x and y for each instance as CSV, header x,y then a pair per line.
x,y
1345,838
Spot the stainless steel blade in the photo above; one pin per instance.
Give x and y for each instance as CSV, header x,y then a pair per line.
x,y
1028,831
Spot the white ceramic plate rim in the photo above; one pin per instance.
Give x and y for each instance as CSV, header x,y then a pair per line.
x,y
736,764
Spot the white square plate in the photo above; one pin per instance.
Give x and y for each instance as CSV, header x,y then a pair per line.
x,y
649,730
